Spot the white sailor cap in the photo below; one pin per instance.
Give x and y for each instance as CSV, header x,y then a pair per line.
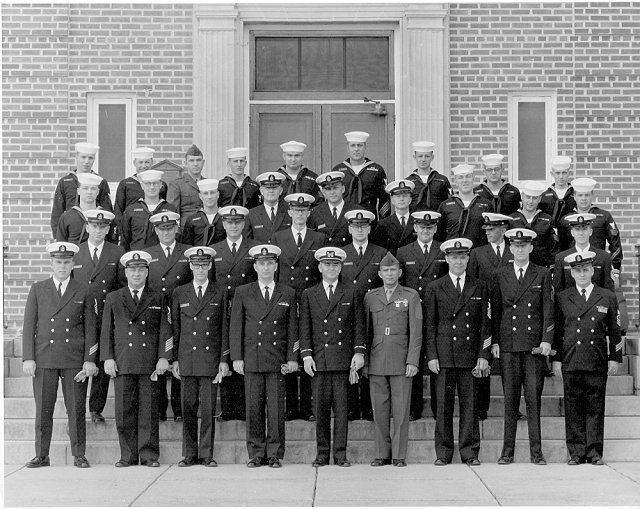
x,y
492,160
143,153
580,219
356,137
423,146
237,152
492,219
359,216
583,185
561,162
207,185
293,147
150,176
86,148
533,188
462,169
89,179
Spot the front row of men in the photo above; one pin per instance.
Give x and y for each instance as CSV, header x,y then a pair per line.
x,y
336,334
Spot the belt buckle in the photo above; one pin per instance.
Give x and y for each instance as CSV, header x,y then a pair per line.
x,y
387,331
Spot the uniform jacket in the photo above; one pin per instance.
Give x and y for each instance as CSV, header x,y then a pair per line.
x,y
394,330
166,275
59,333
102,279
200,329
66,196
506,202
457,326
197,231
304,183
247,195
72,227
546,245
298,268
429,195
460,221
135,336
605,231
557,207
130,191
362,275
233,271
483,262
522,313
183,193
258,225
391,235
418,271
582,328
562,277
264,336
331,331
337,232
367,188
137,231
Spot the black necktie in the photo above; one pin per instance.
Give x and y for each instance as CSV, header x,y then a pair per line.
x,y
498,253
335,213
59,290
199,292
584,294
330,293
521,277
168,253
273,214
360,252
426,251
234,251
266,295
135,297
95,256
403,222
458,287
299,240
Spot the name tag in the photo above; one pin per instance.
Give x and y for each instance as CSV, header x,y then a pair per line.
x,y
347,263
217,259
153,260
113,263
603,309
154,307
77,267
322,226
78,302
345,304
476,298
186,305
539,286
372,169
401,303
183,261
410,263
259,226
286,304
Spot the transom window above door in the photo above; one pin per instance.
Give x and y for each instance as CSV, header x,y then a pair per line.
x,y
322,67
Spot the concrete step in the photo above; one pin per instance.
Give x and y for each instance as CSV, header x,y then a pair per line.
x,y
552,428
616,385
419,451
621,405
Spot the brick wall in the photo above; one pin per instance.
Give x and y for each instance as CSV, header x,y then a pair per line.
x,y
585,52
52,56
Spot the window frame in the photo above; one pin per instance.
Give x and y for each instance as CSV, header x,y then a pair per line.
x,y
129,100
319,95
549,98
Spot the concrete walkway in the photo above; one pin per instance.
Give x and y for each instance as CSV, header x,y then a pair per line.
x,y
616,484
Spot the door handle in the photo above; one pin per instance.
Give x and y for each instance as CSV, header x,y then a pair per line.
x,y
378,109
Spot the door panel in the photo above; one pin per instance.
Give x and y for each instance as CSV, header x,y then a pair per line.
x,y
272,125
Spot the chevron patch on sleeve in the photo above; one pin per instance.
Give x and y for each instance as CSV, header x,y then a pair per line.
x,y
168,344
226,352
487,343
296,346
93,349
551,327
619,346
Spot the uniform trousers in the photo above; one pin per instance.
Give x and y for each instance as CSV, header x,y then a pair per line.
x,y
232,396
45,392
396,388
298,394
330,391
99,390
265,391
198,392
359,399
136,401
163,402
447,381
522,370
584,400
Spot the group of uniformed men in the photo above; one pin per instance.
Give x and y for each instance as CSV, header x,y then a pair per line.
x,y
304,295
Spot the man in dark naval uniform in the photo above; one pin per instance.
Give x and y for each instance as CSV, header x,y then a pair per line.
x,y
396,230
59,341
431,188
332,343
233,267
270,217
522,319
588,348
299,270
504,196
461,215
136,346
201,354
204,228
458,330
364,179
263,336
237,188
329,217
97,265
297,178
66,193
360,272
557,200
421,262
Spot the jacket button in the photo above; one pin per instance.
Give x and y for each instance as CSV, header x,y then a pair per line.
x,y
53,320
528,328
68,341
130,344
514,318
326,333
339,332
592,341
292,278
453,326
592,331
455,339
177,277
326,345
163,279
578,331
229,276
420,288
579,341
339,343
51,341
514,328
324,321
593,319
103,281
104,291
292,268
67,330
143,322
354,281
259,344
194,347
259,333
206,348
207,333
144,333
275,343
144,344
466,314
194,333
53,330
578,318
67,319
130,323
242,275
275,322
275,333
529,304
528,316
208,318
515,306
339,319
130,333
195,317
260,322
228,288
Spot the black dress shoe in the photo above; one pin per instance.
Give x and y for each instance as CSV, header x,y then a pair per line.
x,y
343,463
275,462
224,416
291,416
380,462
473,462
80,462
96,417
122,464
597,460
353,416
319,462
209,462
177,418
521,417
255,462
399,463
505,460
188,461
151,463
573,461
39,461
440,462
310,418
482,416
539,460
162,417
367,416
